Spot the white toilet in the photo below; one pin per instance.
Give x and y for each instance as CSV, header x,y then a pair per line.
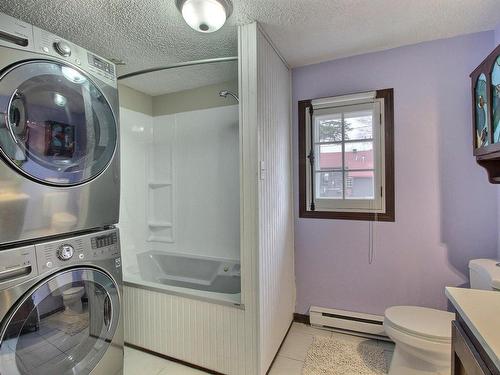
x,y
72,299
423,336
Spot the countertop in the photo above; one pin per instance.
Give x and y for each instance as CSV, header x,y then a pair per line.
x,y
480,309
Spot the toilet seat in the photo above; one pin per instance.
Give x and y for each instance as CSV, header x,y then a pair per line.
x,y
421,322
73,291
72,299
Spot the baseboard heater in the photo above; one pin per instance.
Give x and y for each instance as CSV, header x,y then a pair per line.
x,y
360,324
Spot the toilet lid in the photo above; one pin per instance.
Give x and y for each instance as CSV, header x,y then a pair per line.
x,y
421,321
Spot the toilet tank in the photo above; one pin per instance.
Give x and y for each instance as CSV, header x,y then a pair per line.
x,y
484,274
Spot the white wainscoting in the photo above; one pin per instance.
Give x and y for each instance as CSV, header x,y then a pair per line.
x,y
202,333
276,239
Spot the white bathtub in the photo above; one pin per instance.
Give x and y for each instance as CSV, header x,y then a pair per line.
x,y
193,276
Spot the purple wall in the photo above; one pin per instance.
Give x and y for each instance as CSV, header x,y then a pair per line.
x,y
497,35
446,211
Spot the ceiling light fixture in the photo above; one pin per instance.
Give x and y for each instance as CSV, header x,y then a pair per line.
x,y
205,16
72,75
60,100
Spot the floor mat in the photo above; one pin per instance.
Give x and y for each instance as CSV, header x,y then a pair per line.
x,y
69,323
329,356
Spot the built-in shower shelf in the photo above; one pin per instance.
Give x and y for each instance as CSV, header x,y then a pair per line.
x,y
160,224
164,239
160,231
159,184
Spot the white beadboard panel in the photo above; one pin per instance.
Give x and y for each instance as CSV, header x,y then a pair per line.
x,y
247,51
276,238
198,332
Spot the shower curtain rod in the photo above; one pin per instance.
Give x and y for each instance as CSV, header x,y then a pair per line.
x,y
178,65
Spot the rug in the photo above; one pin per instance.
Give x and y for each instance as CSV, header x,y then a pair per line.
x,y
329,356
67,322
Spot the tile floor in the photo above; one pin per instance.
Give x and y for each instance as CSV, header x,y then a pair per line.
x,y
293,352
289,361
53,339
140,363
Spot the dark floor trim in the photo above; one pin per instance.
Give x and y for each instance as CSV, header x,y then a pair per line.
x,y
277,352
47,314
172,359
301,318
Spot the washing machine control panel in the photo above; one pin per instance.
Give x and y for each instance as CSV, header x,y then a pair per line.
x,y
65,252
78,250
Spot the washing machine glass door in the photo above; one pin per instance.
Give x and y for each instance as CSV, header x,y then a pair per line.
x,y
56,126
64,326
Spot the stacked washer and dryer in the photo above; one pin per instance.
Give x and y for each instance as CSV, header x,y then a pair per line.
x,y
60,265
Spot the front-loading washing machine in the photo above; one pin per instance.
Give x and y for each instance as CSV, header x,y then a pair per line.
x,y
59,150
60,307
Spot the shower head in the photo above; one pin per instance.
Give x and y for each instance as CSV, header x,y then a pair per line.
x,y
225,93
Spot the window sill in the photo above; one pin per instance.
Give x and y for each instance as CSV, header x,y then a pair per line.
x,y
336,215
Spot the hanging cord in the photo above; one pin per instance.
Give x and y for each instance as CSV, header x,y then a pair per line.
x,y
370,242
371,235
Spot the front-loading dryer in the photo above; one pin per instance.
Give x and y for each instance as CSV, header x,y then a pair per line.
x,y
60,307
59,149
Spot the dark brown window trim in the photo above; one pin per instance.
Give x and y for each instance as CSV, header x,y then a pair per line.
x,y
389,215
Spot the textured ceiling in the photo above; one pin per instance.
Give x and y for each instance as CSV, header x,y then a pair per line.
x,y
184,78
143,33
147,33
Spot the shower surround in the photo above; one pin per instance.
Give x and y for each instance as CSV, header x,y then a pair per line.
x,y
191,178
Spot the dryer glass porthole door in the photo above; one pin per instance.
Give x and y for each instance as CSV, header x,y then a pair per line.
x,y
56,125
64,326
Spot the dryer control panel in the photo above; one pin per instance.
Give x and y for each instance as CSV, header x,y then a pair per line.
x,y
78,250
14,32
50,44
21,35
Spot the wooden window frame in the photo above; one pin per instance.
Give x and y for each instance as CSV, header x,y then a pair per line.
x,y
389,214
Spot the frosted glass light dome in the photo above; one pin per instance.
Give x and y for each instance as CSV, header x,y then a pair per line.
x,y
205,16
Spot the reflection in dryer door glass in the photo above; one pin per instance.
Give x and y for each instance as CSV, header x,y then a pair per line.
x,y
60,140
63,328
60,128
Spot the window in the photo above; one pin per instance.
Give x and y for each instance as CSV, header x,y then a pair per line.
x,y
346,148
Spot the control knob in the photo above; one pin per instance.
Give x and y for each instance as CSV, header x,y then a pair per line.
x,y
62,48
65,252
